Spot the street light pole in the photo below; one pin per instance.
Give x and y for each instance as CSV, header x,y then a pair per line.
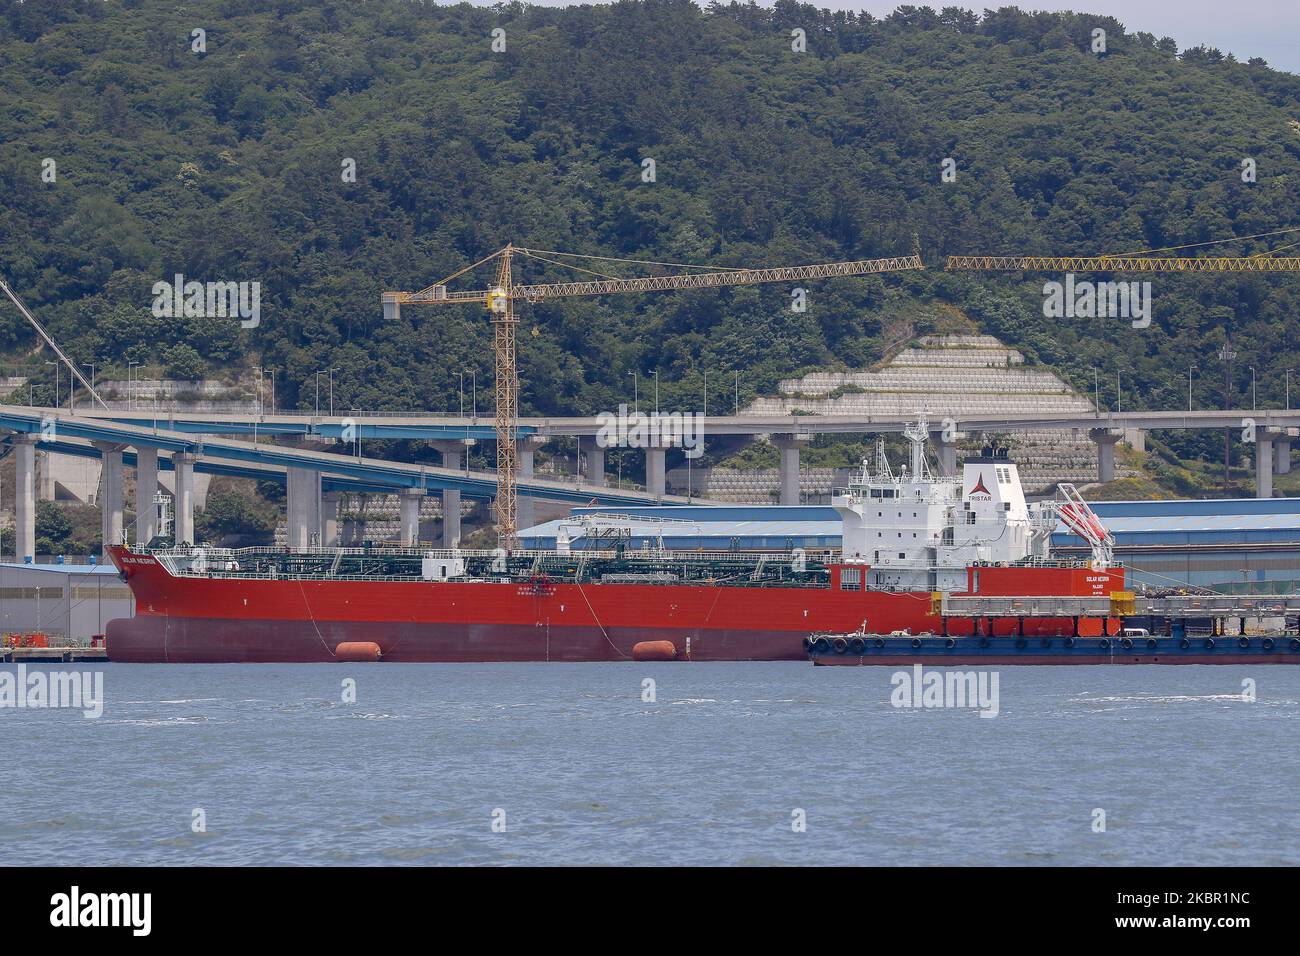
x,y
1252,387
1227,355
656,373
91,366
332,371
737,394
1288,388
318,393
636,395
1189,386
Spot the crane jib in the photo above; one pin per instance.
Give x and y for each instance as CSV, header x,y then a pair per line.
x,y
707,280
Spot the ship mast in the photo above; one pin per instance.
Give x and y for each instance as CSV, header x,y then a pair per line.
x,y
916,434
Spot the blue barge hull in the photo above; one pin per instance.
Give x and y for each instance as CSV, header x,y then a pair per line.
x,y
882,650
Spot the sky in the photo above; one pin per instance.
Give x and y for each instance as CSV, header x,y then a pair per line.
x,y
1245,28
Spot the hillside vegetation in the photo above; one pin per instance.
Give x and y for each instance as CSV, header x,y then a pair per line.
x,y
227,165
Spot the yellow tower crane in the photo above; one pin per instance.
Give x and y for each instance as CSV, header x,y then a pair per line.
x,y
1144,260
500,301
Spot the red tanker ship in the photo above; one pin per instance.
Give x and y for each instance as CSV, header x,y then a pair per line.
x,y
906,538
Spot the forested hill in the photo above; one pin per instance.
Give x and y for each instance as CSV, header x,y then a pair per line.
x,y
228,165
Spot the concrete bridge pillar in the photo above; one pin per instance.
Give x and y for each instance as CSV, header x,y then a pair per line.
x,y
409,509
947,452
1136,439
596,466
303,507
329,519
24,497
45,476
655,458
1105,439
789,446
525,513
183,500
1263,466
450,517
1282,456
146,489
454,452
1267,441
111,501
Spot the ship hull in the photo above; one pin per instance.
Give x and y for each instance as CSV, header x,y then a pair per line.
x,y
206,640
215,619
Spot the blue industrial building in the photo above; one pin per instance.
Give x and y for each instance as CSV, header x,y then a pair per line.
x,y
1234,545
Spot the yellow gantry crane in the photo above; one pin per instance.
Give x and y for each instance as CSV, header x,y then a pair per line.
x,y
500,301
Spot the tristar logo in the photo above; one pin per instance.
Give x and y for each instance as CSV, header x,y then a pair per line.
x,y
979,488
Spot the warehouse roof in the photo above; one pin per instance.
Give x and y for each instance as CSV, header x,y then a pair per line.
x,y
61,568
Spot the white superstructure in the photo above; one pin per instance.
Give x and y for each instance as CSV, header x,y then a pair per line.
x,y
918,531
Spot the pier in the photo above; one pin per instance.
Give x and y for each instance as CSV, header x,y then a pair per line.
x,y
53,655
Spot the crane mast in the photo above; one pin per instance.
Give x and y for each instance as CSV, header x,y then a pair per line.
x,y
500,302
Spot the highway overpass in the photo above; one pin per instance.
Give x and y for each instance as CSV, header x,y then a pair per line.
x,y
309,475
1273,431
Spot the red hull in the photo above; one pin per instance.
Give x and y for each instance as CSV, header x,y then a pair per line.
x,y
213,619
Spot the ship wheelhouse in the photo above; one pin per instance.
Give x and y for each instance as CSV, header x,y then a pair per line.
x,y
917,531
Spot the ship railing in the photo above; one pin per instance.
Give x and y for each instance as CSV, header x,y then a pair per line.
x,y
521,579
825,556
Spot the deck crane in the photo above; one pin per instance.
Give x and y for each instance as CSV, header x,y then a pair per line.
x,y
500,301
1079,517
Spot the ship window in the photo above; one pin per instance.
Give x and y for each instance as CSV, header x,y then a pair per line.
x,y
1006,506
902,554
850,579
970,517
